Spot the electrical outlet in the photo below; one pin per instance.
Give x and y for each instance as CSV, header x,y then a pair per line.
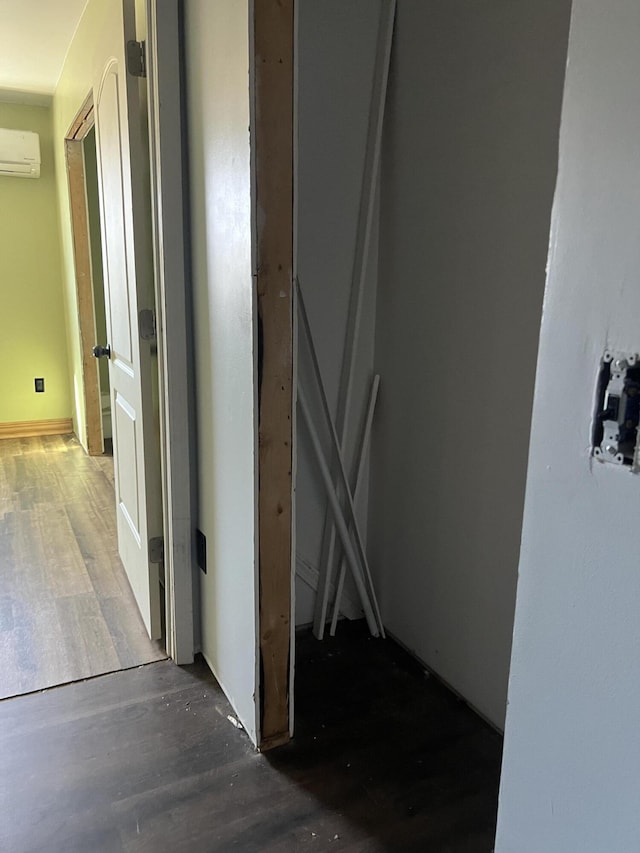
x,y
39,383
201,550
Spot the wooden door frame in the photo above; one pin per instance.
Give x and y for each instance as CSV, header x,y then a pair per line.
x,y
80,127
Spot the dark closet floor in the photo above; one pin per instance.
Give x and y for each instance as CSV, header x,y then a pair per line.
x,y
384,759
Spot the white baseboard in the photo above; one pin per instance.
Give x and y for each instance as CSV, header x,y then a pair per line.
x,y
310,575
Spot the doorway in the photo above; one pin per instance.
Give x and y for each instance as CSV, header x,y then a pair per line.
x,y
106,296
67,611
80,150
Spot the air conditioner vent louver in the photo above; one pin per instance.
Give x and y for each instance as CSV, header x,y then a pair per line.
x,y
19,154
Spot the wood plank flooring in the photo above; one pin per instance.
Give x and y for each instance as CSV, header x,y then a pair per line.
x,y
66,607
384,759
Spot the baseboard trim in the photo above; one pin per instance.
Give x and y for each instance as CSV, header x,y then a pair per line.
x,y
311,576
29,429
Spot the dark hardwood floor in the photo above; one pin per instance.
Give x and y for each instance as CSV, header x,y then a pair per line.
x,y
66,608
384,759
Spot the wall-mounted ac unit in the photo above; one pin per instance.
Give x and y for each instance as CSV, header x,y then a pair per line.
x,y
19,153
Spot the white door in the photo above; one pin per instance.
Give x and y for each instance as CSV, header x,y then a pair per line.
x,y
128,292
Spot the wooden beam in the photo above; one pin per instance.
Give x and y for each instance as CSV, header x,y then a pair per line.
x,y
84,290
272,134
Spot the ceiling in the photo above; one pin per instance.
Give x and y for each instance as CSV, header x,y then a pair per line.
x,y
34,38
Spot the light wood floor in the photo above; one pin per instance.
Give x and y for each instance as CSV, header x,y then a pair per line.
x,y
66,608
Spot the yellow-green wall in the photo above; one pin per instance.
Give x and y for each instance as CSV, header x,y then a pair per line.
x,y
33,339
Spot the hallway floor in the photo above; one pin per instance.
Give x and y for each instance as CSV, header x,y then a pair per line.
x,y
384,759
66,608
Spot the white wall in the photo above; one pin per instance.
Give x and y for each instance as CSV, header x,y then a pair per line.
x,y
469,167
335,54
217,71
570,781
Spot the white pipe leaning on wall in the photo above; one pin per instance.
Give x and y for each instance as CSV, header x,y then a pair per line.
x,y
337,514
364,232
362,456
344,480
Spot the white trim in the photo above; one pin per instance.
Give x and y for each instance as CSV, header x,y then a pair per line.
x,y
308,573
167,196
256,379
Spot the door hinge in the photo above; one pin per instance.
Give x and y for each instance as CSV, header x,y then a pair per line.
x,y
136,58
147,324
156,549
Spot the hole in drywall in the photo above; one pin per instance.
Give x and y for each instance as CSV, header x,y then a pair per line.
x,y
201,550
616,422
604,376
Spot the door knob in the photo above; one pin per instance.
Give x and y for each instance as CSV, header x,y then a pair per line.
x,y
102,352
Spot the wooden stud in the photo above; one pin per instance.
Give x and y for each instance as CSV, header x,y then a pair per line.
x,y
272,134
